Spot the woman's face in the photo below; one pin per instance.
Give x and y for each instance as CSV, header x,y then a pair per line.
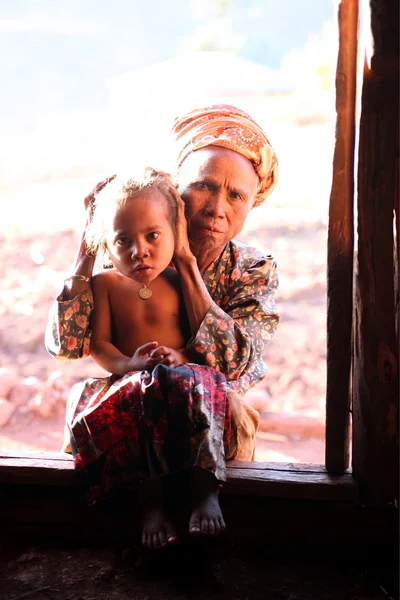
x,y
140,238
218,187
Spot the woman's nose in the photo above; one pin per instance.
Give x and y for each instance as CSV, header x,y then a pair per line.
x,y
215,205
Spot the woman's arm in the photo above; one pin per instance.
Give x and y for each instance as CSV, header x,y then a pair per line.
x,y
68,331
195,294
232,336
84,262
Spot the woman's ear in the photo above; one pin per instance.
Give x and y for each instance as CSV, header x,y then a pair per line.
x,y
256,201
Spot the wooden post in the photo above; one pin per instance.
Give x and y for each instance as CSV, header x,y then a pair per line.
x,y
376,377
341,246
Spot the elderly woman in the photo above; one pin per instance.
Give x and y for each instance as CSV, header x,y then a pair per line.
x,y
225,167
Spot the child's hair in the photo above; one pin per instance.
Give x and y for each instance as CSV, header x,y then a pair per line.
x,y
116,194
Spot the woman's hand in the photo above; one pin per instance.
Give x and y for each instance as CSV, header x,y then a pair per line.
x,y
182,247
88,200
162,355
84,262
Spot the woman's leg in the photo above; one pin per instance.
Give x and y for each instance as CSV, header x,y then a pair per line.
x,y
206,517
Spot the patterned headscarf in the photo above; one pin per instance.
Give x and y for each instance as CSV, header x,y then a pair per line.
x,y
232,128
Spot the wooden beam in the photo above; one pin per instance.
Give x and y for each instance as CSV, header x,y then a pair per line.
x,y
341,246
376,352
59,513
275,480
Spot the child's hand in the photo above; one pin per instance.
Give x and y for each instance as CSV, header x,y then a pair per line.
x,y
165,356
141,356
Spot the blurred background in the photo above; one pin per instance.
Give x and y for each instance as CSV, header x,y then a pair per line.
x,y
90,88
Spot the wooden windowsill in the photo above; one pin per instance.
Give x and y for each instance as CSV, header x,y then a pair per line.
x,y
279,502
273,480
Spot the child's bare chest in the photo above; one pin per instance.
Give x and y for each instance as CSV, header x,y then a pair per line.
x,y
163,306
161,317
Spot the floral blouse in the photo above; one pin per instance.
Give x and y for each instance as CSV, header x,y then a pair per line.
x,y
231,338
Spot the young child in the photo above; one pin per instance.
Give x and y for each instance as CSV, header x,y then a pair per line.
x,y
158,412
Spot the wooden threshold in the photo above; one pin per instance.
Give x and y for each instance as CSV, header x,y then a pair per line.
x,y
273,480
276,503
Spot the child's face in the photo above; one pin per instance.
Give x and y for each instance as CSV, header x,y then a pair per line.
x,y
140,239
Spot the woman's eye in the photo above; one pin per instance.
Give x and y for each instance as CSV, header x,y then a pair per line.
x,y
153,235
236,196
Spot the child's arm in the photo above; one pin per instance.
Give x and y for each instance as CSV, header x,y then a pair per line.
x,y
102,349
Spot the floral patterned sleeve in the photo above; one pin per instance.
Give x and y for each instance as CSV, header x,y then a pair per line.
x,y
68,332
242,319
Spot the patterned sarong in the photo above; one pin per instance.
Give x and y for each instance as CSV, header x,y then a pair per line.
x,y
125,430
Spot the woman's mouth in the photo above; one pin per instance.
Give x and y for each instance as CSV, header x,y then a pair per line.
x,y
210,231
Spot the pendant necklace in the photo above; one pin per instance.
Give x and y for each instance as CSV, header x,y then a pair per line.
x,y
145,292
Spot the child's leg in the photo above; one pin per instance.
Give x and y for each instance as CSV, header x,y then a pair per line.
x,y
191,420
206,518
157,529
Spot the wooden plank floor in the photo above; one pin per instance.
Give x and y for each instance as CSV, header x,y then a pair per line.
x,y
274,480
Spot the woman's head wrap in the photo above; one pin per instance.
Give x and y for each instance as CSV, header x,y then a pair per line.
x,y
232,128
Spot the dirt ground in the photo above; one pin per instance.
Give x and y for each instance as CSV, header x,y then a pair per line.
x,y
291,399
198,571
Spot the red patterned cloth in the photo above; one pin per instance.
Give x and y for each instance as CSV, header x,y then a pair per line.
x,y
126,430
232,128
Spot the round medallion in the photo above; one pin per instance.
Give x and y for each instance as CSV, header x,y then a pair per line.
x,y
145,293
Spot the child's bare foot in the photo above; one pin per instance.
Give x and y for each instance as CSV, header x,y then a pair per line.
x,y
157,529
206,518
